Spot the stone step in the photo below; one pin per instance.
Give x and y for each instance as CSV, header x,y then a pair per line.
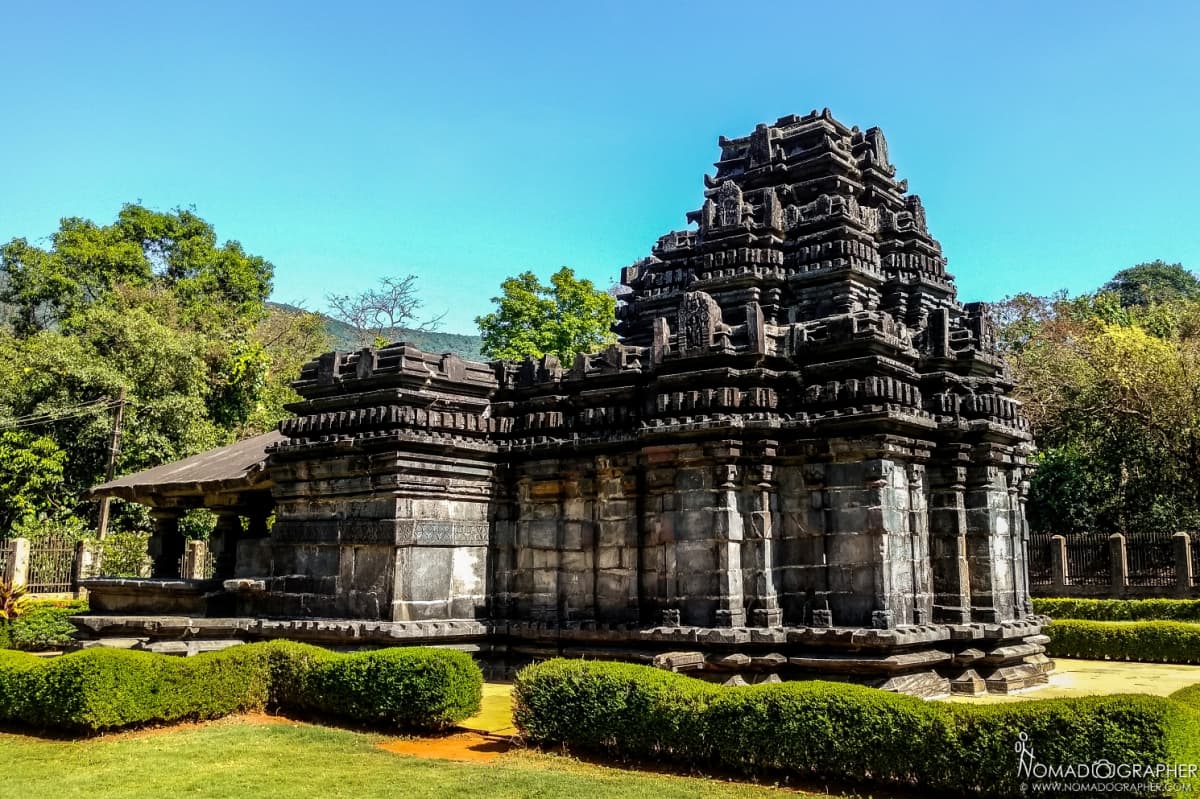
x,y
189,647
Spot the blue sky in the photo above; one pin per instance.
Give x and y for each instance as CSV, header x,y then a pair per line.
x,y
1052,143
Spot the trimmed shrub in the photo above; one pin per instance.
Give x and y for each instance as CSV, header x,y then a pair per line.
x,y
1120,609
18,674
406,687
1122,728
100,689
44,625
1150,641
840,731
617,708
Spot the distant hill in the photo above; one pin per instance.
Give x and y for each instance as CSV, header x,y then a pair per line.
x,y
345,338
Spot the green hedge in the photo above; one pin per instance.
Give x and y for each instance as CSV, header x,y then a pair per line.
x,y
1120,609
405,687
1150,641
99,689
42,625
839,731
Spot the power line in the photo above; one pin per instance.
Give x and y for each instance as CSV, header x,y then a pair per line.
x,y
48,414
37,420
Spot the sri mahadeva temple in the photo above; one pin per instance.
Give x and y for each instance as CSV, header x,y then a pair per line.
x,y
801,459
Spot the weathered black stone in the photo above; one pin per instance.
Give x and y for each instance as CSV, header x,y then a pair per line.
x,y
801,428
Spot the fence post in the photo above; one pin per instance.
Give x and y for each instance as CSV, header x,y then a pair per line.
x,y
87,561
1120,563
1058,561
1183,563
18,562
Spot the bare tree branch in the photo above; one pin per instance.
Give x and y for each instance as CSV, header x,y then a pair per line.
x,y
378,313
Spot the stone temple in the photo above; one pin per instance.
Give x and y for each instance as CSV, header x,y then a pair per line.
x,y
801,459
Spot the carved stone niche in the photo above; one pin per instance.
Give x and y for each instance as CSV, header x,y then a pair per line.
x,y
699,320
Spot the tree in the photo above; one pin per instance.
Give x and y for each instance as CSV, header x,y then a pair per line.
x,y
1113,393
378,314
289,337
216,286
152,304
31,478
563,319
1153,282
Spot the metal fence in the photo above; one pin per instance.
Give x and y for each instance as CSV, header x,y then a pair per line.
x,y
1196,559
52,566
1089,559
1039,559
1151,559
4,555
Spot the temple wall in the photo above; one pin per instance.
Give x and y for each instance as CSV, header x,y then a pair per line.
x,y
400,538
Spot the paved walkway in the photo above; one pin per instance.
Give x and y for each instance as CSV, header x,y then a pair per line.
x,y
495,712
1092,677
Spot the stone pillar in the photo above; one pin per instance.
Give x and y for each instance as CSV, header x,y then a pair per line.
x,y
166,543
224,541
504,561
1058,561
1182,543
948,545
87,564
659,594
616,542
537,527
18,562
989,542
195,552
1120,563
576,581
867,543
918,538
760,549
728,534
1025,592
799,539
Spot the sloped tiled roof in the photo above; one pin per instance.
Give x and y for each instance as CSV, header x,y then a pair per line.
x,y
239,466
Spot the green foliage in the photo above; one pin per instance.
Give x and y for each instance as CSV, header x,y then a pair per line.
x,y
1153,283
1112,387
218,286
288,337
31,478
568,317
124,554
407,687
100,689
1148,641
1119,609
152,304
838,731
43,625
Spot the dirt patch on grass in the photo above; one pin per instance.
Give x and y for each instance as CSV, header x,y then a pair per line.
x,y
257,717
459,746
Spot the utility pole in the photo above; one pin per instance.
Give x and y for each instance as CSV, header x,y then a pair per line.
x,y
114,447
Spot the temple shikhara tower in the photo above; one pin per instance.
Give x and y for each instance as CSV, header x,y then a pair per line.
x,y
801,459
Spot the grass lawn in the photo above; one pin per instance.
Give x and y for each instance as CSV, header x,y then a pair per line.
x,y
248,759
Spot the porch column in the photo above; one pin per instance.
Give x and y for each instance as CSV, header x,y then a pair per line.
x,y
166,543
225,540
